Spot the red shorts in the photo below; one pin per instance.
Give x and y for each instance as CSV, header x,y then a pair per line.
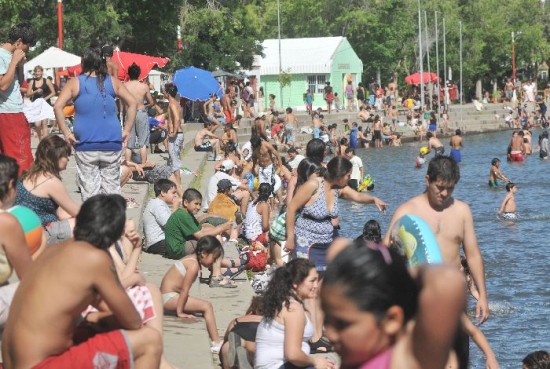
x,y
516,157
105,350
15,139
228,116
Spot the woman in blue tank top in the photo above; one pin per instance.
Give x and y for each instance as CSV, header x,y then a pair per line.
x,y
98,136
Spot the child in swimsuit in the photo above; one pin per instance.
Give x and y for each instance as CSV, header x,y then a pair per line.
x,y
495,173
369,296
177,281
508,207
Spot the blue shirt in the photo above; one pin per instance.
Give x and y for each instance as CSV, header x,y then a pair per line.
x,y
11,101
96,125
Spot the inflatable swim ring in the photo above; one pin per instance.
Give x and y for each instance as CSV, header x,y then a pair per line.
x,y
31,224
420,161
249,177
415,240
367,183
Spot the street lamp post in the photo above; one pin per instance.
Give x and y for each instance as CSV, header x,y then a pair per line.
x,y
280,54
514,34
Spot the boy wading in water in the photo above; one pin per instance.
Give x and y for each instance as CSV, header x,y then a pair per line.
x,y
508,207
71,276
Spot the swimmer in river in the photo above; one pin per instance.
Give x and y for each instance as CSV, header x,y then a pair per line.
x,y
495,173
456,145
434,144
508,208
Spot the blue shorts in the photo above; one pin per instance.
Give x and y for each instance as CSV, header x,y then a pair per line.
x,y
456,154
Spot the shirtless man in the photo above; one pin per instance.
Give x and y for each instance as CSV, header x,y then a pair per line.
x,y
451,221
453,225
527,142
175,131
517,147
226,106
456,145
509,87
71,276
139,137
435,144
205,140
364,114
208,110
262,156
508,207
112,66
377,131
495,173
291,127
258,129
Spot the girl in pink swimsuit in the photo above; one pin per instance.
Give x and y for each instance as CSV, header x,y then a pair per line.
x,y
378,314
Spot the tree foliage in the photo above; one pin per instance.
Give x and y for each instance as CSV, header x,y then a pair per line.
x,y
227,33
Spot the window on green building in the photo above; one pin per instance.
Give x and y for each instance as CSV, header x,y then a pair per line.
x,y
316,83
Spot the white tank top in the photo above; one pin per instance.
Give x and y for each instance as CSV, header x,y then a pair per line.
x,y
270,342
253,222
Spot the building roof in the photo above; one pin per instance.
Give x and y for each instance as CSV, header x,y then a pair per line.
x,y
299,55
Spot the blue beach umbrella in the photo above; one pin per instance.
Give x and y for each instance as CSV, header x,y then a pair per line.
x,y
196,84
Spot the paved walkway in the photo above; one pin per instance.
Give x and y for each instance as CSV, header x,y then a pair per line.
x,y
186,344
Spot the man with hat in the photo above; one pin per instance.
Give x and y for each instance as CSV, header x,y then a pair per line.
x,y
224,204
240,190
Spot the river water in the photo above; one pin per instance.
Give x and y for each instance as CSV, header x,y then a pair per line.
x,y
516,253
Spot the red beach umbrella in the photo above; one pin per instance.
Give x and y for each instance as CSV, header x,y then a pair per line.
x,y
414,79
124,60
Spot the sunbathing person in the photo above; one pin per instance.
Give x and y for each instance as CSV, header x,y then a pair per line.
x,y
71,276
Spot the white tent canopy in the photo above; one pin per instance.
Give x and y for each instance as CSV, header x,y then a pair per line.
x,y
52,58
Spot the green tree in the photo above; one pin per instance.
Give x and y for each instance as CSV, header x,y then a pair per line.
x,y
218,38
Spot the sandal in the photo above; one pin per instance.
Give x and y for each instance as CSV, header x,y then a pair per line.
x,y
217,282
322,346
234,271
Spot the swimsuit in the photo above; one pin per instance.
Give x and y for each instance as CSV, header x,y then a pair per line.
x,y
170,295
516,156
105,350
206,146
439,151
493,183
456,154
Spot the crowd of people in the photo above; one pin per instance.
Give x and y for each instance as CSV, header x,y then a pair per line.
x,y
325,293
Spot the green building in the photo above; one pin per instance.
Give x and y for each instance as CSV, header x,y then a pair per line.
x,y
309,63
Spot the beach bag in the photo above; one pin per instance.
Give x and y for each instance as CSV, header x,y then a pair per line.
x,y
257,259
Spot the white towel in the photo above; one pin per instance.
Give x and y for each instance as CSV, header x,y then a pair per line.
x,y
38,110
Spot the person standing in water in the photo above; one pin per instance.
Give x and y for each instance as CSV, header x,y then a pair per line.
x,y
495,173
508,207
456,145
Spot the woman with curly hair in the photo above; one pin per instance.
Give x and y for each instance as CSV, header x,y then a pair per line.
x,y
42,190
283,334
